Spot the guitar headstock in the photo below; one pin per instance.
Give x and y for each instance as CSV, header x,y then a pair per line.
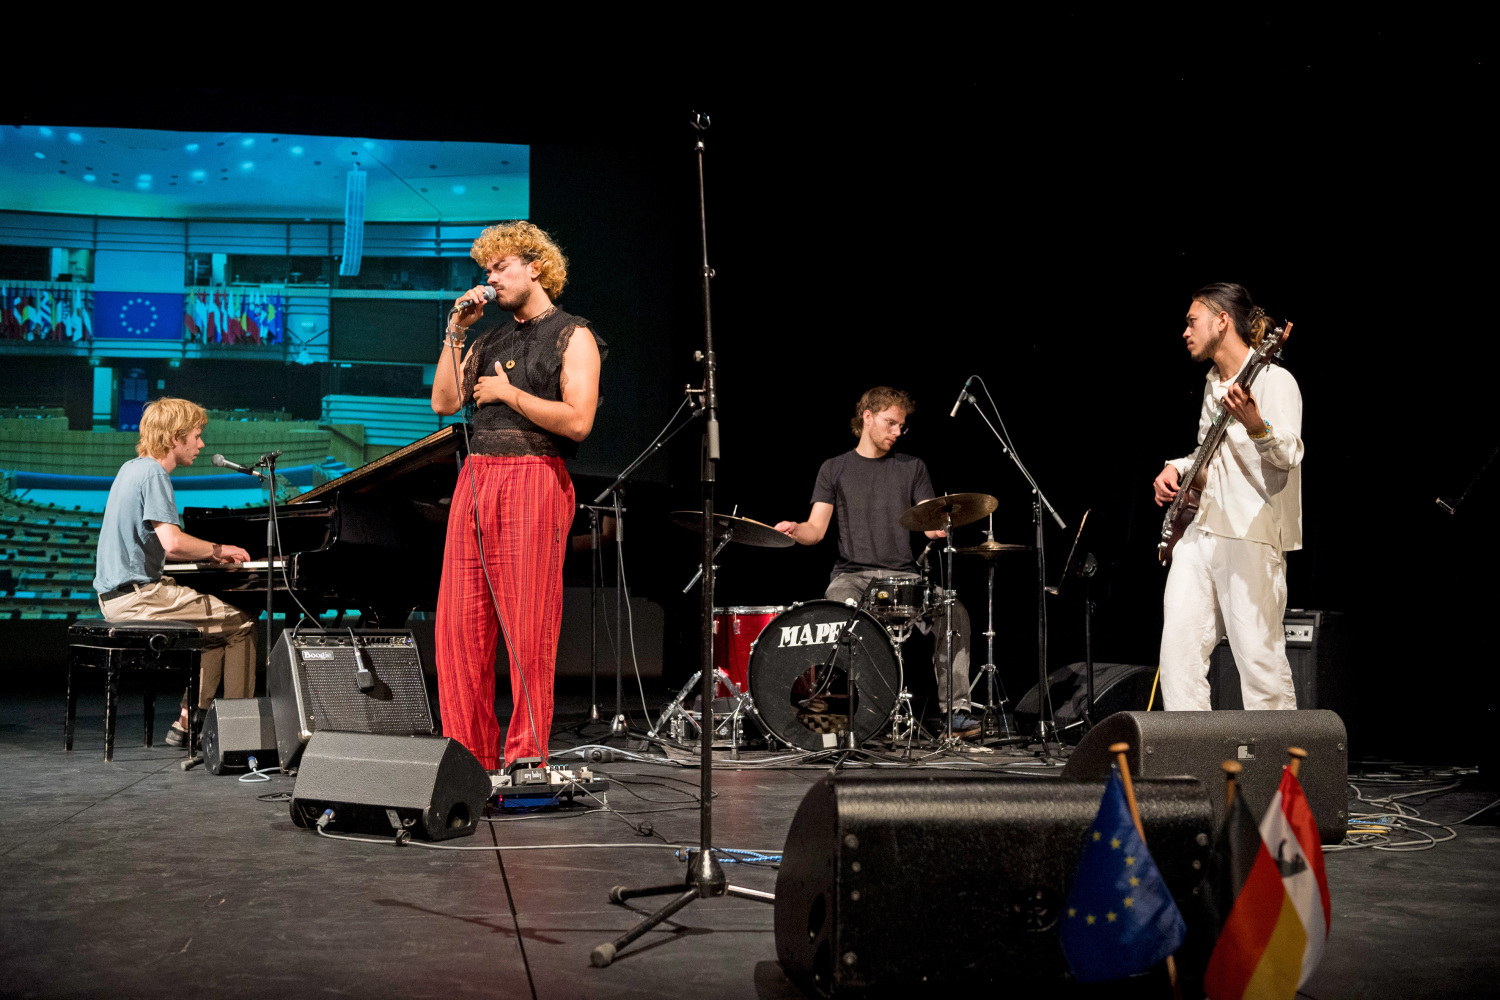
x,y
1270,347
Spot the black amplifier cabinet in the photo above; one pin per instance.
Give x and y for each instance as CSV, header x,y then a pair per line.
x,y
313,685
918,885
1315,647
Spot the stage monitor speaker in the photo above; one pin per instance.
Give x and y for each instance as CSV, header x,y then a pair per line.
x,y
1118,687
237,729
1198,743
428,785
905,884
313,682
1315,648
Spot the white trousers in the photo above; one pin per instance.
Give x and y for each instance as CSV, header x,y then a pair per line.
x,y
1220,586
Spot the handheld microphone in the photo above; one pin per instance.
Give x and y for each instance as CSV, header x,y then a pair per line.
x,y
225,463
489,296
963,394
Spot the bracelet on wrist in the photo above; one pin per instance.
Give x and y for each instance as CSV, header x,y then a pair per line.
x,y
1263,432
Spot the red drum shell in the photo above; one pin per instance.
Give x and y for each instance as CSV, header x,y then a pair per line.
x,y
735,632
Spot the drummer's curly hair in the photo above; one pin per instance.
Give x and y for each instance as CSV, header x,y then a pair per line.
x,y
878,400
529,242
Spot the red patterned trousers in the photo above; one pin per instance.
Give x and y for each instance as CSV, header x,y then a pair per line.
x,y
525,509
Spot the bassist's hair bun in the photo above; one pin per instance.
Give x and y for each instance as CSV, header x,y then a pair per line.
x,y
1251,322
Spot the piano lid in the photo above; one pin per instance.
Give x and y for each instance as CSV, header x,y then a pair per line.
x,y
434,449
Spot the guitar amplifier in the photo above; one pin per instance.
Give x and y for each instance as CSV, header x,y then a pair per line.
x,y
1315,648
313,685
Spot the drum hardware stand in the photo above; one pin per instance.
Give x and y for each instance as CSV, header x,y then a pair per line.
x,y
1004,731
950,596
1046,730
677,717
704,878
614,492
724,540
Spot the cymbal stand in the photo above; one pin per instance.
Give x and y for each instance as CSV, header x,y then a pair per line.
x,y
991,713
949,597
704,878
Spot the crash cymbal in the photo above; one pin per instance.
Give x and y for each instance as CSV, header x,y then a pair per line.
x,y
932,515
991,550
743,531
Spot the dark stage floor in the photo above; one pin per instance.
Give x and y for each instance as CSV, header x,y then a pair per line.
x,y
136,879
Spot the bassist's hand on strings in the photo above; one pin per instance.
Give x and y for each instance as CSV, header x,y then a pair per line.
x,y
1165,485
1242,407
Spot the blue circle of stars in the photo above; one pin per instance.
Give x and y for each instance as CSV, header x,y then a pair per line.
x,y
130,316
1127,902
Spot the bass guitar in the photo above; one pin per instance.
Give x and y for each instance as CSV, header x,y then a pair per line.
x,y
1184,507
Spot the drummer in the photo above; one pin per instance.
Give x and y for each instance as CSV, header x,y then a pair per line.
x,y
870,487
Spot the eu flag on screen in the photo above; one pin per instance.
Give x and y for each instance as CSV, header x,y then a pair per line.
x,y
138,316
1120,918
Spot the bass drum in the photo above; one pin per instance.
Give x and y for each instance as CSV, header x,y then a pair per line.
x,y
812,699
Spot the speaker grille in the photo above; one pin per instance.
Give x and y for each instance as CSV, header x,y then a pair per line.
x,y
396,707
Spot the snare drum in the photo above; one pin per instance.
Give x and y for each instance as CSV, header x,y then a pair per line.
x,y
735,632
896,599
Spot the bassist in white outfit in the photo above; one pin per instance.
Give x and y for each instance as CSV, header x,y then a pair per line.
x,y
1227,572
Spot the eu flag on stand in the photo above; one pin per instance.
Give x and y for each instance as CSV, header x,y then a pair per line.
x,y
1120,918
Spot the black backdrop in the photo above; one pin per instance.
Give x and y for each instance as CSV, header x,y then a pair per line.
x,y
1035,207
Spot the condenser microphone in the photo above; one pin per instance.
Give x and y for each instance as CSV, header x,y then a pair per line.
x,y
963,394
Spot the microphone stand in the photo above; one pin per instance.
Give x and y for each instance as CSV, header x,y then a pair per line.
x,y
615,490
269,478
705,877
1084,570
1046,725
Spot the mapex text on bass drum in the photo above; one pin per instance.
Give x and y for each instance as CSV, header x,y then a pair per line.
x,y
822,670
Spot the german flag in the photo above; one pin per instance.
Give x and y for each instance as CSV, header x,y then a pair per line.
x,y
1267,890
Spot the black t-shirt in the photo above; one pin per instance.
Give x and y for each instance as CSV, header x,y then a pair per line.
x,y
869,495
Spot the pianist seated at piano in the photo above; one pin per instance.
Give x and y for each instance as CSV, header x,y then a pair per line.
x,y
141,531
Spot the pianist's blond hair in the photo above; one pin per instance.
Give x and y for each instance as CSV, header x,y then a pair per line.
x,y
164,421
530,243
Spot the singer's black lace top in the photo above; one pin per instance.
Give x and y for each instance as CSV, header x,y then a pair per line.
x,y
532,355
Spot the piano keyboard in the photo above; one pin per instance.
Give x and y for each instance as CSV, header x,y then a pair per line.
x,y
246,567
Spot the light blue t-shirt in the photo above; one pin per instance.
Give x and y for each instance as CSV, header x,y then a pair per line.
x,y
129,551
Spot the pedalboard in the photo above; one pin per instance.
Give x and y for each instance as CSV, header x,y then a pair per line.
x,y
555,784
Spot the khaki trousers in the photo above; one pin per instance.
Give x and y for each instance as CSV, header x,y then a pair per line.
x,y
230,652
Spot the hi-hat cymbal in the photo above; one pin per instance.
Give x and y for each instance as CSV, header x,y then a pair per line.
x,y
934,514
742,530
991,549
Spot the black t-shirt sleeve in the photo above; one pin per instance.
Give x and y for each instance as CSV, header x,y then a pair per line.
x,y
921,484
824,490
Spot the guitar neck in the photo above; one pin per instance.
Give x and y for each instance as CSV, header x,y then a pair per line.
x,y
1215,435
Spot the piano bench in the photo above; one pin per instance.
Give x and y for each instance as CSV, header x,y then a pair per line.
x,y
148,646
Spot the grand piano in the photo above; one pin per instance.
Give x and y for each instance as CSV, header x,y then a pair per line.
x,y
371,539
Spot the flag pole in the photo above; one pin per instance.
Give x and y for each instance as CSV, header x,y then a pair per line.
x,y
1231,768
1120,750
1298,755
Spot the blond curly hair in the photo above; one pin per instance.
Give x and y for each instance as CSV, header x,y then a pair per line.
x,y
164,421
528,242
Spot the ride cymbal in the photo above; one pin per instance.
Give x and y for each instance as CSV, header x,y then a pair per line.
x,y
953,510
